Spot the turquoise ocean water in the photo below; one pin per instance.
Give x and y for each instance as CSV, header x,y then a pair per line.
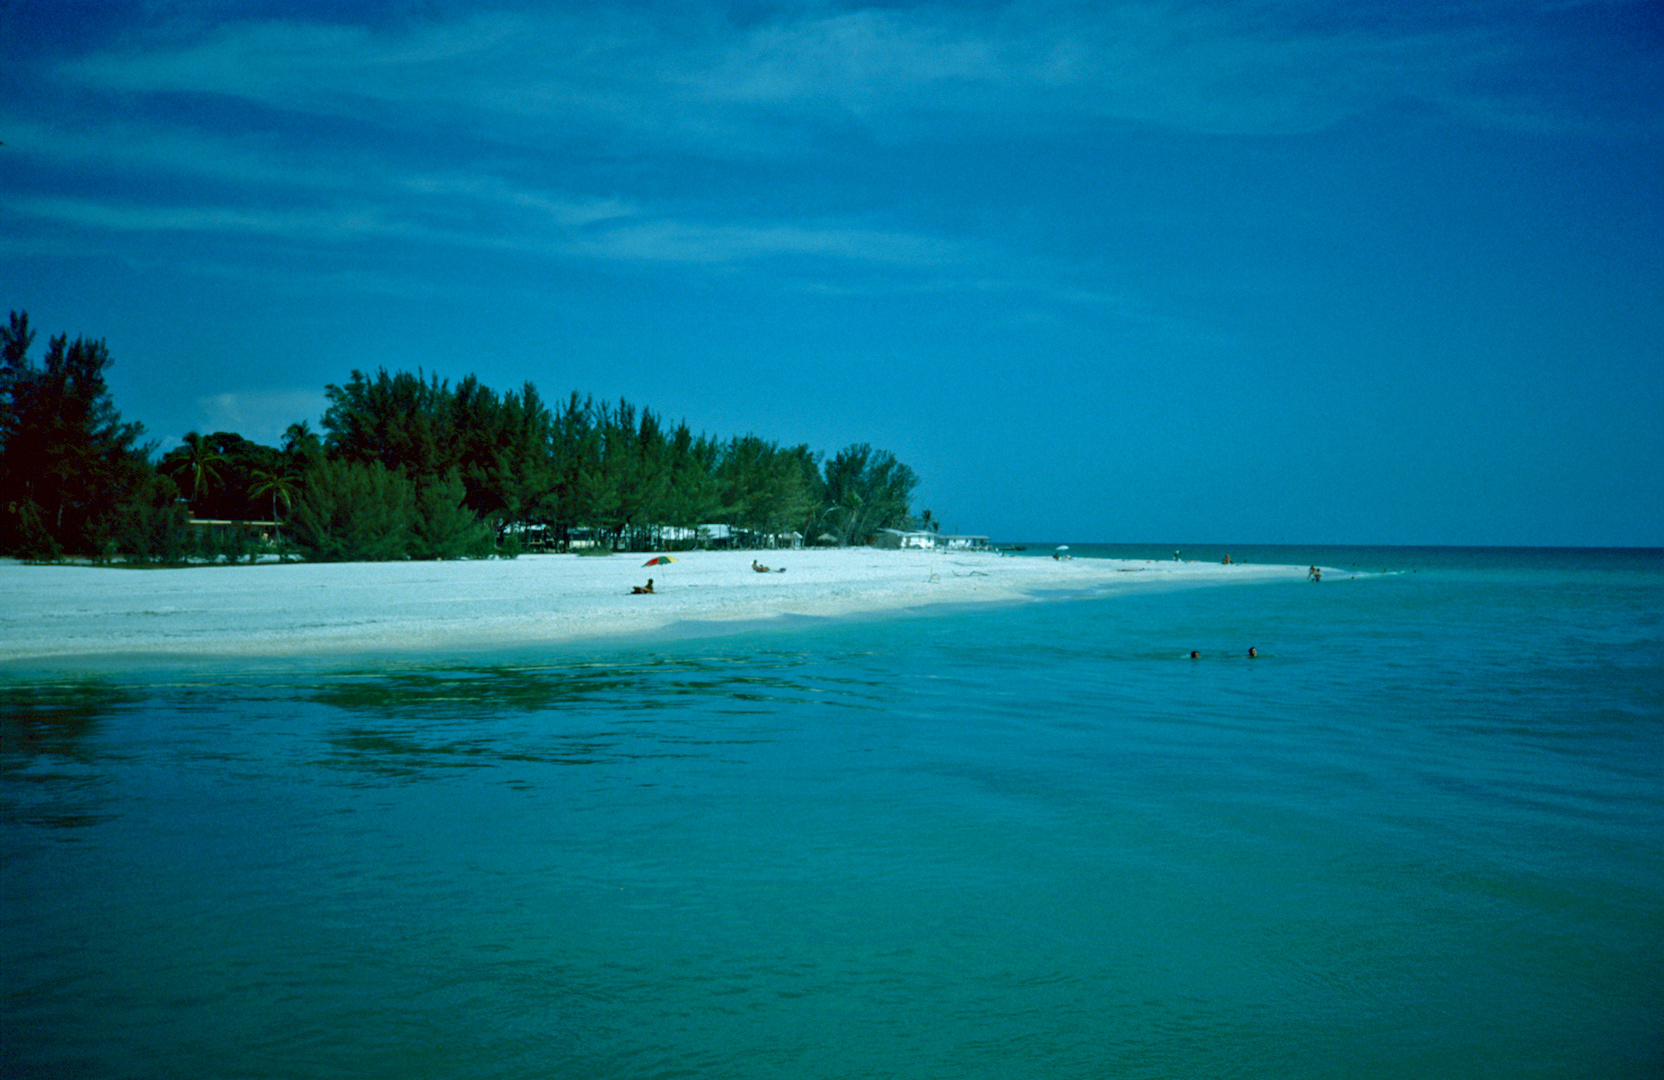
x,y
1422,835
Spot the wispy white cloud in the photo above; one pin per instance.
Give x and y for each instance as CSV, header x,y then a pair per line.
x,y
683,242
161,148
317,224
173,151
303,65
533,73
660,240
526,91
557,210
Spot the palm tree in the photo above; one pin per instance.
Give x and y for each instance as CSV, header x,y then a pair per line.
x,y
279,485
299,441
201,462
851,508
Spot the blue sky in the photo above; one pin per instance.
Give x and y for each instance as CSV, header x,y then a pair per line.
x,y
1143,271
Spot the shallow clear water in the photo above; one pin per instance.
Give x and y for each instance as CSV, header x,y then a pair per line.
x,y
1421,835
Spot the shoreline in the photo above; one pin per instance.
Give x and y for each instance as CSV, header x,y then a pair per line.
x,y
64,613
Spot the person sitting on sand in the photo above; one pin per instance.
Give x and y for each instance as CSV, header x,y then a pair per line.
x,y
1227,560
647,588
759,567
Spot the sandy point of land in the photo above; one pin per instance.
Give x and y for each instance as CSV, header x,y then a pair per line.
x,y
296,609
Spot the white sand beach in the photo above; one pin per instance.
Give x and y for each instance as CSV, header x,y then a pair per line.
x,y
301,609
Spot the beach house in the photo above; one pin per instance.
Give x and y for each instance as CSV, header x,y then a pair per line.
x,y
925,540
897,539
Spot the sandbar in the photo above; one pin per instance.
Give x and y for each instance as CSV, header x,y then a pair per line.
x,y
320,609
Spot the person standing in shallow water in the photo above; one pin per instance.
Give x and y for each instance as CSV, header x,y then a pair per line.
x,y
1252,652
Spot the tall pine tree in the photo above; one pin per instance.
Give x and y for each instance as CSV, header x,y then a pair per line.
x,y
68,463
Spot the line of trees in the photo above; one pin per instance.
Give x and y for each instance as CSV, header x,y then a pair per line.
x,y
406,466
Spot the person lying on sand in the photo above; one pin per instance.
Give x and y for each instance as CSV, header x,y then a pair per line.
x,y
647,588
761,569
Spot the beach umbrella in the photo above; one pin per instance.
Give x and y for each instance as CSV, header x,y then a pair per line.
x,y
657,560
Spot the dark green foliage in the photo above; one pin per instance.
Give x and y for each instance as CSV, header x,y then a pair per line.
x,y
232,546
866,490
26,535
611,470
153,527
765,489
503,451
276,484
444,527
691,497
68,464
499,446
401,421
408,467
217,473
195,467
352,512
301,448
